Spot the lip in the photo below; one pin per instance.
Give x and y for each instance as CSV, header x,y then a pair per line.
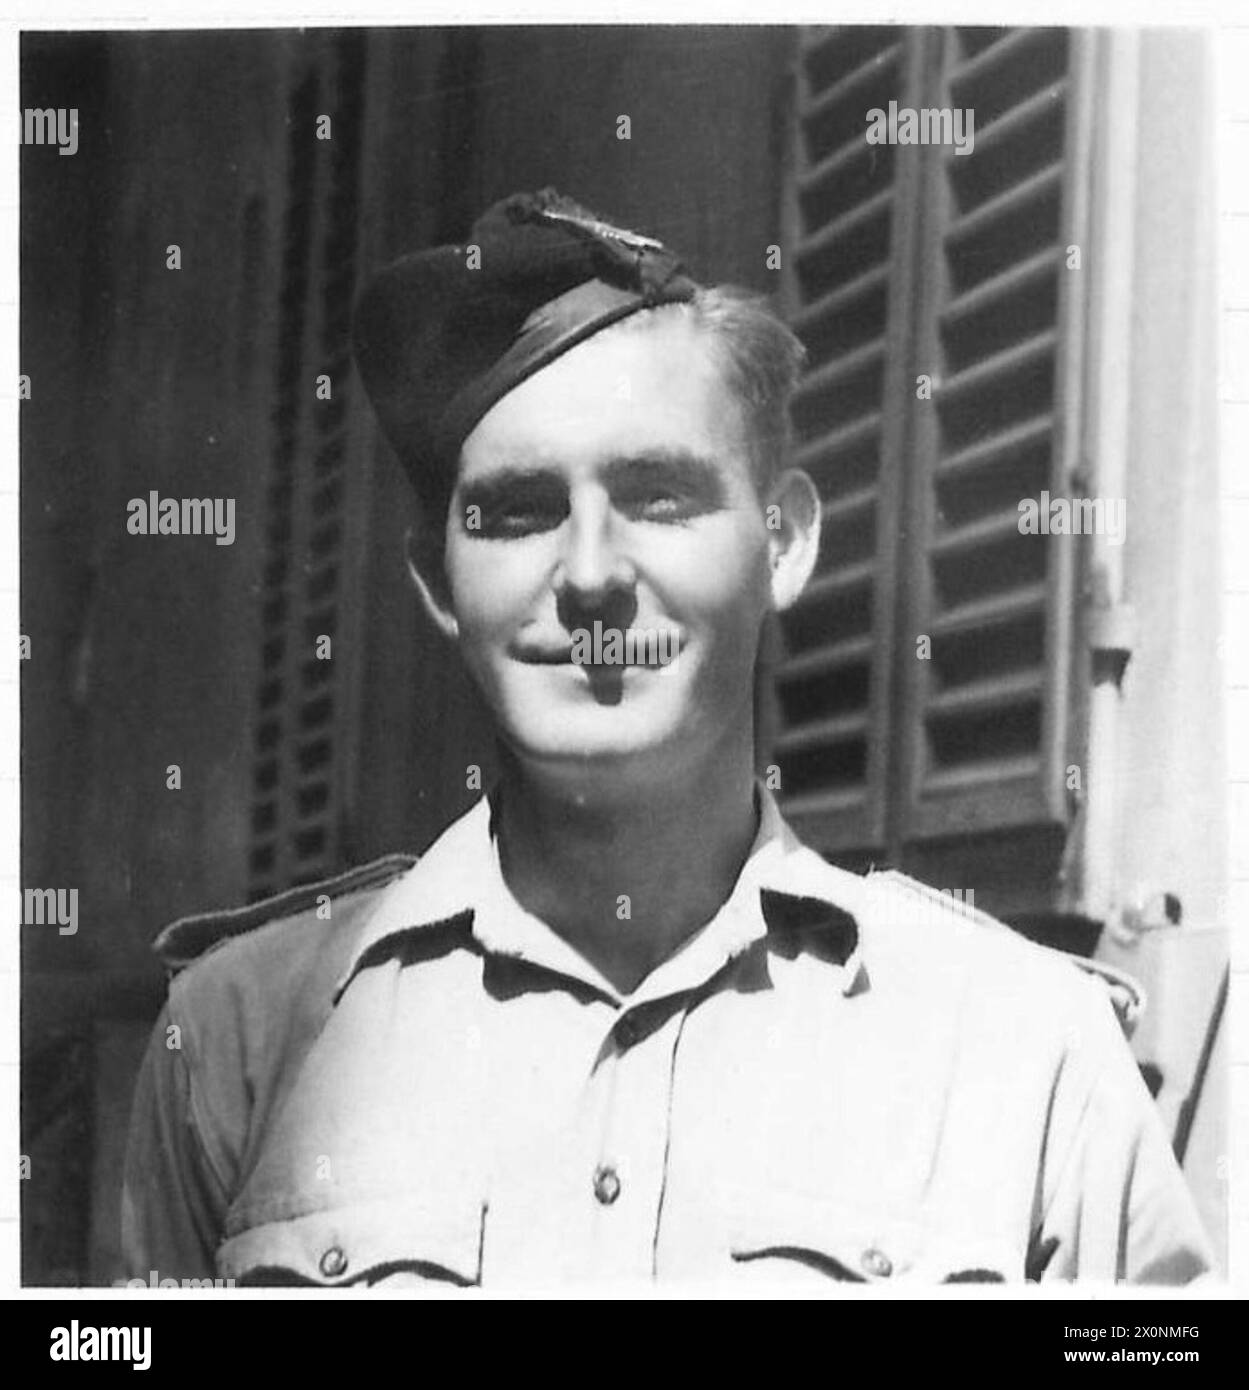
x,y
558,650
562,656
545,656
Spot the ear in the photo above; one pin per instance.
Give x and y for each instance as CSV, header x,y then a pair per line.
x,y
793,517
432,588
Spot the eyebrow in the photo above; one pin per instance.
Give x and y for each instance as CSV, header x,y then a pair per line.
x,y
693,471
681,466
506,479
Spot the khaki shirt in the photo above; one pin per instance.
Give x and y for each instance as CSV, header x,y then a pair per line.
x,y
406,1077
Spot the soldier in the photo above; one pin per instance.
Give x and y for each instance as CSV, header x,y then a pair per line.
x,y
618,1022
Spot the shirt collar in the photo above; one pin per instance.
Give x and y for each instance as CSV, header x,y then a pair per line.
x,y
460,874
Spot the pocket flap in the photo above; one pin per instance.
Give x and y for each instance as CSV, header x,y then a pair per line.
x,y
409,1240
845,1242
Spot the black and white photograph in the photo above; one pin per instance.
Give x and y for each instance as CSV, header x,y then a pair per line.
x,y
622,680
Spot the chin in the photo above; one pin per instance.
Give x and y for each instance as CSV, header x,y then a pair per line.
x,y
608,741
571,744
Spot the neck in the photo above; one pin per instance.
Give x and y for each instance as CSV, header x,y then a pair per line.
x,y
626,875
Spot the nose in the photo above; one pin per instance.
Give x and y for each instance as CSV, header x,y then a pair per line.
x,y
592,566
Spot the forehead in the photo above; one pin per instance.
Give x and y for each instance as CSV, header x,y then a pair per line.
x,y
653,382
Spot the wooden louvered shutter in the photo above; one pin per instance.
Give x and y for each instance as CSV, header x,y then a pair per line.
x,y
312,524
908,260
984,723
850,232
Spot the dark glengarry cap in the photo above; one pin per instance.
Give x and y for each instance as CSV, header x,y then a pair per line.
x,y
441,335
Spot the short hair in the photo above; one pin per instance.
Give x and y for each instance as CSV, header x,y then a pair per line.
x,y
761,358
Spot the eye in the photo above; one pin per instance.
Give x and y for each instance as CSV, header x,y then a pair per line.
x,y
655,502
660,503
666,488
513,515
524,519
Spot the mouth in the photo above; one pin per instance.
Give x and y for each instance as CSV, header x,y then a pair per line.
x,y
545,656
605,650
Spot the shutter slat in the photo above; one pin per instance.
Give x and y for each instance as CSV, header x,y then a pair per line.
x,y
1029,432
819,45
992,772
1004,363
1036,108
988,695
991,612
1014,42
814,315
851,151
853,82
825,586
851,504
817,382
819,451
979,534
825,731
824,659
1013,199
999,287
834,231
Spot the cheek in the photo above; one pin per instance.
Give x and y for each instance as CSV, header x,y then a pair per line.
x,y
730,577
487,583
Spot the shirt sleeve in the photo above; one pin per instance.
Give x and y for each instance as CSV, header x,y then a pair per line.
x,y
1115,1205
173,1202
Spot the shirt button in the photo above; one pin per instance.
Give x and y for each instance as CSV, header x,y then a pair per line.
x,y
877,1262
333,1262
606,1184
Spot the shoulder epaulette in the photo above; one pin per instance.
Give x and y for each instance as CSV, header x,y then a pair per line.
x,y
935,899
1127,995
185,940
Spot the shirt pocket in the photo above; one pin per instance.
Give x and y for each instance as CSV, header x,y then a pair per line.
x,y
787,1236
395,1241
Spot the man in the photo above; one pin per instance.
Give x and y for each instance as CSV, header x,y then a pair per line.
x,y
618,1023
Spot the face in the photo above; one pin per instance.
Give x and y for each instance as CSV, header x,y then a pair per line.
x,y
613,492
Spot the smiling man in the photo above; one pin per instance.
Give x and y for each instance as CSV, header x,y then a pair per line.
x,y
618,1023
